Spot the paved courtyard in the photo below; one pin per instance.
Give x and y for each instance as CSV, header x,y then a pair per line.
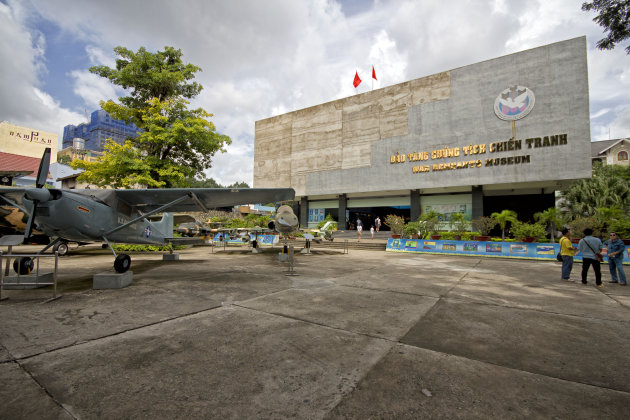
x,y
369,334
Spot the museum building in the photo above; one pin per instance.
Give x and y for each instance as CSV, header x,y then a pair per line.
x,y
506,133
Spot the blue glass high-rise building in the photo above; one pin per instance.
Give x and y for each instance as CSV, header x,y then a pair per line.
x,y
100,128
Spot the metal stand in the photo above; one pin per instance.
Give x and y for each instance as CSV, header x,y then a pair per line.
x,y
291,260
36,283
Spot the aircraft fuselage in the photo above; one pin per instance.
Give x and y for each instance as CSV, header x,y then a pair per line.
x,y
76,217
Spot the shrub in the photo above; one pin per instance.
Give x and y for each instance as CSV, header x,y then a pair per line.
x,y
522,230
578,225
484,225
621,227
459,223
412,228
146,248
395,223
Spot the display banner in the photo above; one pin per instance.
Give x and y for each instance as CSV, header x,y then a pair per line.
x,y
268,240
537,251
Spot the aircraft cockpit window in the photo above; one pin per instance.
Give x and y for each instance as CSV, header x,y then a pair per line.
x,y
123,208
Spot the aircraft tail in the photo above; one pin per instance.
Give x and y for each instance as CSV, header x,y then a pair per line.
x,y
165,225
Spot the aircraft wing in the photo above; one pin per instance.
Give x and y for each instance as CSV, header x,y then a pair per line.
x,y
151,199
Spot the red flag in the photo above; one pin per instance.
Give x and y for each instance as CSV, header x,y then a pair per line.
x,y
373,74
357,79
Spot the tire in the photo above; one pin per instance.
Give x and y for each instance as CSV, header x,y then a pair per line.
x,y
122,263
23,265
61,248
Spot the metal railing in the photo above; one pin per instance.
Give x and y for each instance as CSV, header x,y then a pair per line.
x,y
5,273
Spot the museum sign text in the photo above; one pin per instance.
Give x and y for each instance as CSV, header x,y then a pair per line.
x,y
471,154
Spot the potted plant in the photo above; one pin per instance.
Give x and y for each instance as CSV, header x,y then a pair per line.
x,y
484,225
431,220
459,224
412,230
552,218
502,219
527,232
396,225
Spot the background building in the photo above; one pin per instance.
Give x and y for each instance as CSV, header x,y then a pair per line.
x,y
25,141
501,134
611,152
100,128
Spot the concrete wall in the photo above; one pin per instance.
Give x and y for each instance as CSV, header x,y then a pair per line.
x,y
347,145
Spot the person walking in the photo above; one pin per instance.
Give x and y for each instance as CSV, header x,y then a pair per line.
x,y
359,229
591,248
616,249
377,223
372,231
567,251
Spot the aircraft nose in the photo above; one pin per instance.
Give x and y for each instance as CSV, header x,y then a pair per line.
x,y
39,194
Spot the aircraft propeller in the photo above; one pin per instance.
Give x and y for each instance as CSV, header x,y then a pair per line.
x,y
37,195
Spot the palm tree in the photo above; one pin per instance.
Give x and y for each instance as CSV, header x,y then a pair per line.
x,y
552,218
609,187
502,219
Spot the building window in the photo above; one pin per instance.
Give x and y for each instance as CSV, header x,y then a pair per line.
x,y
623,155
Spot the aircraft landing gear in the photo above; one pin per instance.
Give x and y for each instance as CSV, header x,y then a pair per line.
x,y
23,265
122,263
61,248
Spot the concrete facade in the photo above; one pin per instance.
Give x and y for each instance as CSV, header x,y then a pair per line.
x,y
439,134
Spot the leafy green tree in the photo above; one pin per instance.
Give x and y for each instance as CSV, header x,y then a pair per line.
x,y
614,17
175,143
609,187
65,159
552,217
502,219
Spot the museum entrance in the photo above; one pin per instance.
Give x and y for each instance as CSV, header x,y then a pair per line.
x,y
369,214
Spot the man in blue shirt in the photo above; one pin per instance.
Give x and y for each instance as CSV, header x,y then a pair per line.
x,y
590,246
616,249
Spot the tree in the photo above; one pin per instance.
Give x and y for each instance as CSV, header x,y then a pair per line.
x,y
204,182
552,218
609,187
614,17
175,143
502,219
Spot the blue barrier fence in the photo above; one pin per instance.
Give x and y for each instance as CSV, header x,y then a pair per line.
x,y
533,250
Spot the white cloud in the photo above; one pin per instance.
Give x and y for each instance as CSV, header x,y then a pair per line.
x,y
92,88
23,102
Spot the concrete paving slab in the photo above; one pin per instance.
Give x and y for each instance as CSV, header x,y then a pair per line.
x,y
200,366
412,383
372,312
157,294
580,349
541,294
28,400
409,274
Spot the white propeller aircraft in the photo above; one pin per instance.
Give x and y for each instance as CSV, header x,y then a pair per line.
x,y
116,215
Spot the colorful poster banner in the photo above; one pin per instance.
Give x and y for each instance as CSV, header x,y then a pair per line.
x,y
525,250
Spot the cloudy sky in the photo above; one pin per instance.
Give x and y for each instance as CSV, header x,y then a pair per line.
x,y
264,58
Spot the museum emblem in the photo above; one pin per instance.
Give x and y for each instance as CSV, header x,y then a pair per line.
x,y
514,103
